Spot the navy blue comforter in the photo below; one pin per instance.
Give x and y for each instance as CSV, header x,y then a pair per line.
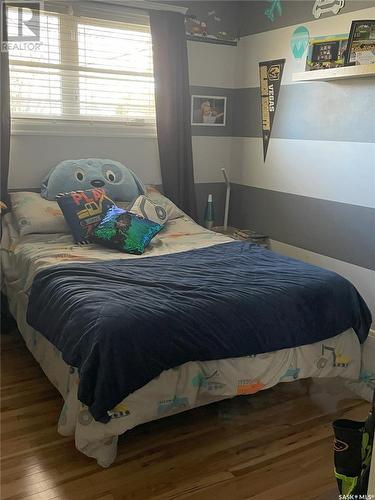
x,y
123,322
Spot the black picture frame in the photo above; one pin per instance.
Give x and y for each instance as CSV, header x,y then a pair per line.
x,y
355,38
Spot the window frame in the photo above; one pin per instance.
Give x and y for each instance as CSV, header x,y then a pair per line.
x,y
79,126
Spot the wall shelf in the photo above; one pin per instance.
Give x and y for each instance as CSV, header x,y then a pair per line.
x,y
217,41
335,73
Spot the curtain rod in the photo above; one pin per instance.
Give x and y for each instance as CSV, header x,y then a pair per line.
x,y
144,5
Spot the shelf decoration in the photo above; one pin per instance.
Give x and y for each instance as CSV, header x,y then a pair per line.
x,y
326,52
209,29
270,73
361,45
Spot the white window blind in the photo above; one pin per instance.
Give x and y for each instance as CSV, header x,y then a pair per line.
x,y
85,69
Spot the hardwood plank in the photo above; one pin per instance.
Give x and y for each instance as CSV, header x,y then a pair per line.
x,y
275,444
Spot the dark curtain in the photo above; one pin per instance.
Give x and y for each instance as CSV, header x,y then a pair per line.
x,y
5,114
172,98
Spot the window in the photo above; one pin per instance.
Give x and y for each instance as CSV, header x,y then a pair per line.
x,y
85,69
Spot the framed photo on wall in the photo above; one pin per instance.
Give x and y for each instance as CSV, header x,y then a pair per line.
x,y
361,44
208,110
326,52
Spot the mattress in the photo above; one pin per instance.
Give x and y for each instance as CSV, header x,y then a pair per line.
x,y
190,385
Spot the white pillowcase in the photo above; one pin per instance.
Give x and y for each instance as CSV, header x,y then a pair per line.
x,y
172,210
154,197
148,209
34,214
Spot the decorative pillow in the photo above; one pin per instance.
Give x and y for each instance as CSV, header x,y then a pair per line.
x,y
34,214
83,210
119,181
172,210
125,231
148,209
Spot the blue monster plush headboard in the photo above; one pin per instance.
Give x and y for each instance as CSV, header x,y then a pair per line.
x,y
119,181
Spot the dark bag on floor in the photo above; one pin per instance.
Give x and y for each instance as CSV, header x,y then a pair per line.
x,y
352,453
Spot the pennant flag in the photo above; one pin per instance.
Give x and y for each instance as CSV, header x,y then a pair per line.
x,y
270,73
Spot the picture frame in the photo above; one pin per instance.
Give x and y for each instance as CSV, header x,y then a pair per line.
x,y
361,43
326,52
208,111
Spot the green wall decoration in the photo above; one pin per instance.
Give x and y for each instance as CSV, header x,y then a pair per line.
x,y
299,41
272,11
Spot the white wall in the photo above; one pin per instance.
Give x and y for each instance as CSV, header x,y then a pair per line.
x,y
32,156
329,170
212,65
316,168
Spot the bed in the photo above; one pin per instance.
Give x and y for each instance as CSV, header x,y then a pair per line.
x,y
32,258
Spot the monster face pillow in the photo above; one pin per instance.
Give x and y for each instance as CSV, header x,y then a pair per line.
x,y
119,182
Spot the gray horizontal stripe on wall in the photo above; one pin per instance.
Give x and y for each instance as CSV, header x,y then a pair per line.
x,y
339,111
338,230
252,18
207,130
218,190
202,190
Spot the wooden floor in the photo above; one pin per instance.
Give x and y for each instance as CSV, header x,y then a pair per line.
x,y
275,444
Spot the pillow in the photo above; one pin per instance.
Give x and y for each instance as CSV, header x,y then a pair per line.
x,y
83,210
33,214
125,231
172,210
148,209
119,181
